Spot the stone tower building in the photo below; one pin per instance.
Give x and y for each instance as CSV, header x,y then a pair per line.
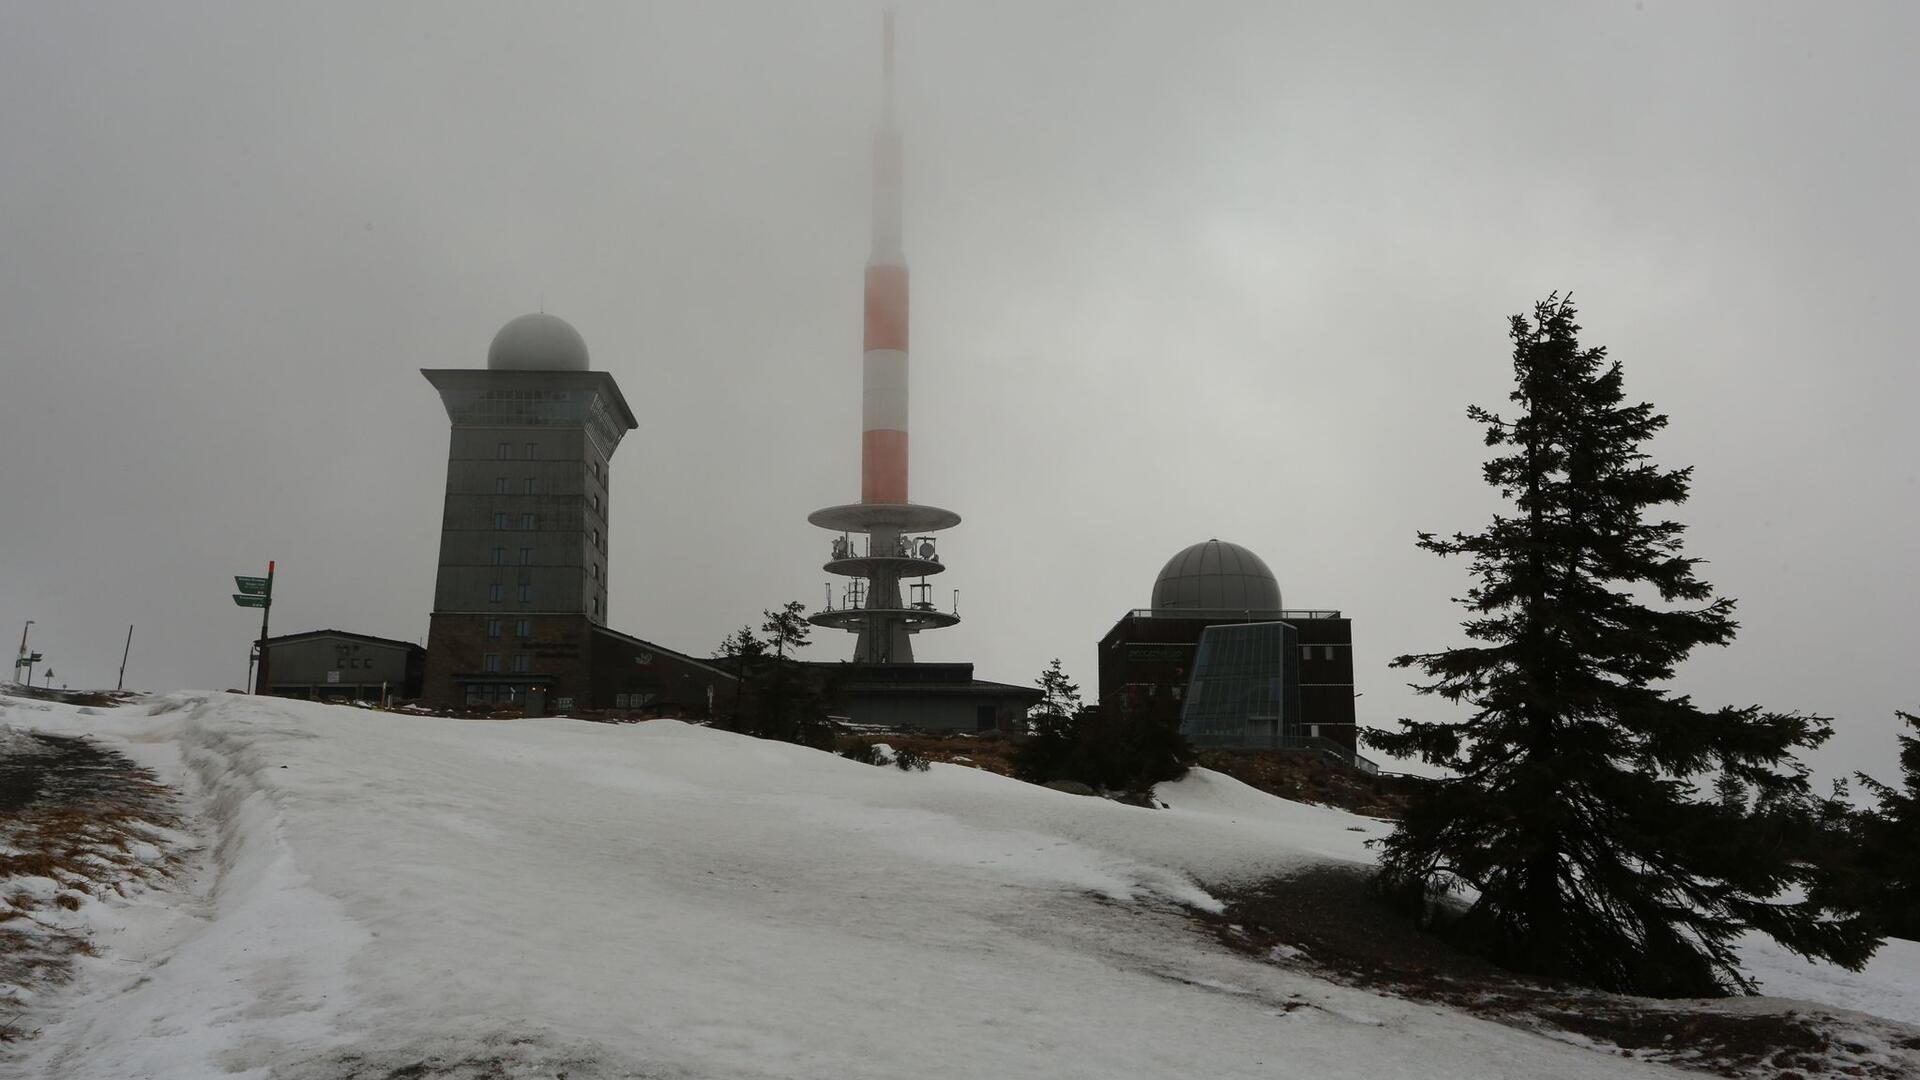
x,y
522,581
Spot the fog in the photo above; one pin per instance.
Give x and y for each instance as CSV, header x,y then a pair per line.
x,y
1180,271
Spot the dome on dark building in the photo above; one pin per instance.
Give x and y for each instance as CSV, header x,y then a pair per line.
x,y
537,342
1218,576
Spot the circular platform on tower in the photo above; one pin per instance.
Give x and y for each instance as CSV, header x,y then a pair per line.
x,y
902,566
862,517
855,618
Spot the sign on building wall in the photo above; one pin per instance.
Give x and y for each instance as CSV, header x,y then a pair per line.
x,y
1149,653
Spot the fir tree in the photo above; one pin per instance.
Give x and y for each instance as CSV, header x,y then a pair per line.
x,y
777,696
1059,697
1129,748
744,655
1572,808
1052,728
1890,839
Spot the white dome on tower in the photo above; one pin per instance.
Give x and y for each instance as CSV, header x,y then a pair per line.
x,y
537,342
1215,576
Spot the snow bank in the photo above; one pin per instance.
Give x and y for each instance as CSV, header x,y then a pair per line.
x,y
386,892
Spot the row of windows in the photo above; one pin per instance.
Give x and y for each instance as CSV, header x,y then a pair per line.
x,y
1306,651
504,451
521,628
505,521
491,662
504,486
493,694
499,554
497,592
635,700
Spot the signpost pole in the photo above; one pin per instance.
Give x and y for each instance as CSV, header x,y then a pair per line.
x,y
266,608
21,660
254,592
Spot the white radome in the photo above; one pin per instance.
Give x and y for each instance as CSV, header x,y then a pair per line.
x,y
537,342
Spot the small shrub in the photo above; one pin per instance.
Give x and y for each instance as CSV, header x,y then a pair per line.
x,y
907,761
865,754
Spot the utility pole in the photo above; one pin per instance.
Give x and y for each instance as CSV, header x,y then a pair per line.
x,y
122,684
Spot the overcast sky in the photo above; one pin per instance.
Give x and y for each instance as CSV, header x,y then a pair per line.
x,y
1180,271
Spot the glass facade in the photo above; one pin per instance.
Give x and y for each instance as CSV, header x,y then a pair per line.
x,y
1245,686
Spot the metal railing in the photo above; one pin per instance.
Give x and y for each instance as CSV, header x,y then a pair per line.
x,y
1239,614
1306,743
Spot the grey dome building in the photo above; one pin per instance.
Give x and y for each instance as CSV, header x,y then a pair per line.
x,y
1218,650
1216,576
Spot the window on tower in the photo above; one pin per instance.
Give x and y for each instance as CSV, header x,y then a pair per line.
x,y
495,592
527,521
529,485
493,628
490,662
501,450
499,556
526,593
499,485
526,556
533,451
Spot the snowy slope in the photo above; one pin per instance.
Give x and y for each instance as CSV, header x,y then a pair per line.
x,y
546,897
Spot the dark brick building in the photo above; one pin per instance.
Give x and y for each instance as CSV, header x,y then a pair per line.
x,y
1148,657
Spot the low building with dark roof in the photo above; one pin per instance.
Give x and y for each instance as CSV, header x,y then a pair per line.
x,y
927,696
336,665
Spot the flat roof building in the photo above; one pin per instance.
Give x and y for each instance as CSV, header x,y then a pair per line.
x,y
1242,669
335,665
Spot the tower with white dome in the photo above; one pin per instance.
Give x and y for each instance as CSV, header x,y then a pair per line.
x,y
522,579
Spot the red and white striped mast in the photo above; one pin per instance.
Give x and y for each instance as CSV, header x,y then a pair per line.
x,y
873,606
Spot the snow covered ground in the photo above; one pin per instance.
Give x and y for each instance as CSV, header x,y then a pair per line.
x,y
548,897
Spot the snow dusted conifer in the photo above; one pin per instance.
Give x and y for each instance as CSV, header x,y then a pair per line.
x,y
1572,809
1890,841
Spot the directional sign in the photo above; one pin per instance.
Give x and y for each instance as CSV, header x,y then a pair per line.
x,y
252,586
249,601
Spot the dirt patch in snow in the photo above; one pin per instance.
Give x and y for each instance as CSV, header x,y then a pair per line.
x,y
78,823
991,751
1326,920
1314,778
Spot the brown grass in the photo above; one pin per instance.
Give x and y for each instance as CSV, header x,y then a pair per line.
x,y
1326,920
76,813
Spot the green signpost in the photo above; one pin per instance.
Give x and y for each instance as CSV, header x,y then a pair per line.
x,y
256,592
